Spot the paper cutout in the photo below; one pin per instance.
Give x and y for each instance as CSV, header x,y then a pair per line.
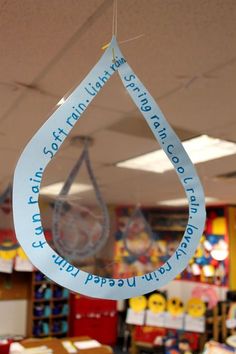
x,y
87,344
175,306
138,304
43,147
138,236
208,270
196,307
23,265
77,232
194,324
8,250
220,251
207,294
175,322
157,303
219,225
6,265
135,318
20,252
155,319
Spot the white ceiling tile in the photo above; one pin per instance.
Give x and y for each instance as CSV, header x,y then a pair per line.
x,y
186,57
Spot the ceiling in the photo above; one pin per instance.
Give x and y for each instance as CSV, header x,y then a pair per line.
x,y
186,57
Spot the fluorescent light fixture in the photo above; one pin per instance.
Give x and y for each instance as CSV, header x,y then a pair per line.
x,y
200,149
62,100
54,189
184,201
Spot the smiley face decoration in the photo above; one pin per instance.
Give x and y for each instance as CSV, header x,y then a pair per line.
x,y
42,149
195,307
138,304
175,306
157,303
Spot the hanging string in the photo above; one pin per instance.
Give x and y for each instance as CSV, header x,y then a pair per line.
x,y
131,39
113,21
115,27
105,46
116,19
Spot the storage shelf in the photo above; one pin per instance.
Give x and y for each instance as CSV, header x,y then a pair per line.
x,y
36,323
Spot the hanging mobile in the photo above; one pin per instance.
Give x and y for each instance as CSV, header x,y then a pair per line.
x,y
137,236
77,232
43,147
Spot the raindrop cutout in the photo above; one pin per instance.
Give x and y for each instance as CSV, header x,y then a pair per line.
x,y
138,236
78,231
